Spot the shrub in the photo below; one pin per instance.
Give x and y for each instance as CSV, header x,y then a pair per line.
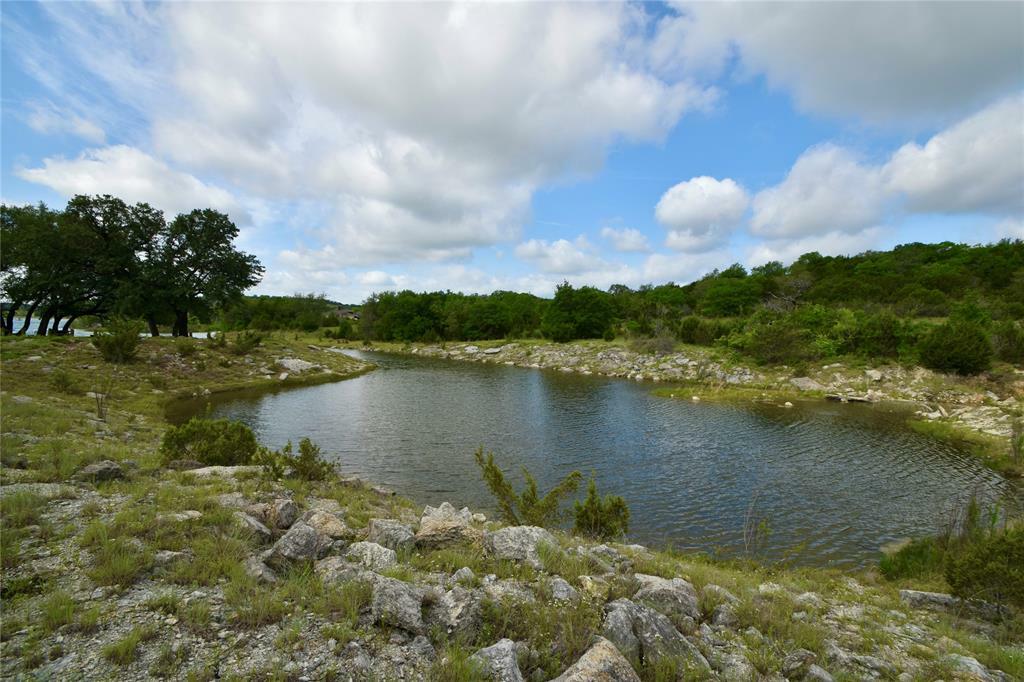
x,y
526,507
61,381
877,335
308,465
991,568
603,519
210,441
960,346
245,342
120,342
186,347
1008,340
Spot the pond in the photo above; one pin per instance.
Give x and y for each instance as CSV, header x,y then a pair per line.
x,y
834,482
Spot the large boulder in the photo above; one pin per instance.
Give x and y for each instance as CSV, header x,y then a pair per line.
x,y
643,632
372,556
97,472
498,662
328,524
674,598
806,384
397,604
281,513
391,533
458,611
518,543
254,526
445,526
300,544
602,663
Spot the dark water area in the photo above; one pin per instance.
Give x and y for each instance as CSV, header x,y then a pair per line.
x,y
834,481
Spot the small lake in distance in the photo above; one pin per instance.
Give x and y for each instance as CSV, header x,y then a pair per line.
x,y
835,481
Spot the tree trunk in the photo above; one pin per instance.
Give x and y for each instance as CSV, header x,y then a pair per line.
x,y
28,319
153,329
180,323
66,329
55,327
9,320
44,322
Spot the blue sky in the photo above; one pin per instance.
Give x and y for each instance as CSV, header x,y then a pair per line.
x,y
475,147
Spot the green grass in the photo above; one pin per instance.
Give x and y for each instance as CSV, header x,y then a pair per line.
x,y
453,664
118,562
58,609
21,509
252,604
993,451
124,650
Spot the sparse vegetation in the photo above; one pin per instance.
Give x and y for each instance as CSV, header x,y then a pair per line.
x,y
210,441
604,519
526,507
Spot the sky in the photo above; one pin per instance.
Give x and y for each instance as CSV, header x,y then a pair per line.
x,y
475,147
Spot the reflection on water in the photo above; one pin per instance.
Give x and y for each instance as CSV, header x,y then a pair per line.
x,y
834,481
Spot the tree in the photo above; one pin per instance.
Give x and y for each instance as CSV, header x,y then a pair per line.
x,y
200,266
527,507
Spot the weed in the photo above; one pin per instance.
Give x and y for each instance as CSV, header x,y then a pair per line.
x,y
122,652
57,610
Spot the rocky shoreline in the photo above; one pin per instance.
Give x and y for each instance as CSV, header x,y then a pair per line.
x,y
975,404
414,607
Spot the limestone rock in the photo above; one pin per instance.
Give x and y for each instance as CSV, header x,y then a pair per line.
x,y
295,365
372,556
642,631
398,604
602,663
255,568
458,611
463,575
254,526
796,663
806,384
561,590
518,543
390,533
438,532
498,662
106,470
300,543
328,524
674,598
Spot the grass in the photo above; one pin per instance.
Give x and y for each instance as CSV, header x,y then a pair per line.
x,y
118,562
124,650
252,604
57,610
993,451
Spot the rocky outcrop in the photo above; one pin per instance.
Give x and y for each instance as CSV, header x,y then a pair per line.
x,y
602,663
519,543
97,472
328,524
675,598
445,526
397,604
647,635
300,544
372,556
391,533
458,611
498,662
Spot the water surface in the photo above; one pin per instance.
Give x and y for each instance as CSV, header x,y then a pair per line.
x,y
834,481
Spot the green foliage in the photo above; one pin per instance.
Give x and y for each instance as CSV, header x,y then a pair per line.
x,y
123,651
62,381
584,313
527,507
306,312
603,519
307,465
1008,341
923,557
246,342
960,346
120,342
990,568
210,441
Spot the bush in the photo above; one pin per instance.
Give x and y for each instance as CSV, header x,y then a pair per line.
x,y
210,441
527,507
960,346
877,335
245,342
1008,339
308,465
186,347
62,381
991,568
120,342
603,519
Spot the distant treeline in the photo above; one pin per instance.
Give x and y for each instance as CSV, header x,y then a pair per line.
x,y
820,306
100,256
302,312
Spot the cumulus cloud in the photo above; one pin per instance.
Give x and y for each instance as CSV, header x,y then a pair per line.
x,y
701,212
827,189
828,244
134,176
561,256
975,165
893,61
626,240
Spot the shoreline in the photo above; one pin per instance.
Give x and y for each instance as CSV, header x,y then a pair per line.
x,y
964,411
151,572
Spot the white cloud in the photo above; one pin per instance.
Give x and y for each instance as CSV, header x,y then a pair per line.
x,y
48,119
134,176
701,213
975,165
626,240
561,256
827,244
891,61
827,189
